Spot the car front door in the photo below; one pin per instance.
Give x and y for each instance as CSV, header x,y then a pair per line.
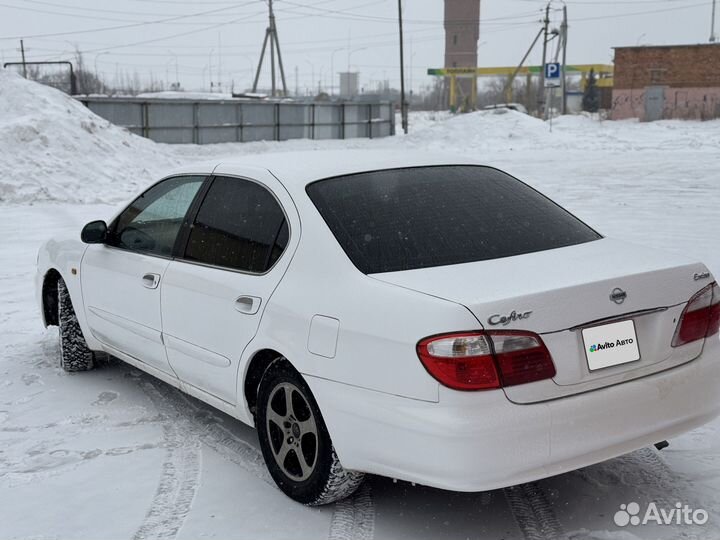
x,y
121,279
214,294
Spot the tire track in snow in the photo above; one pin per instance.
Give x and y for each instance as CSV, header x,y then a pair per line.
x,y
180,472
532,511
353,518
231,447
652,480
648,474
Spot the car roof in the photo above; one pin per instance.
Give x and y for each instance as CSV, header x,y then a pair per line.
x,y
301,168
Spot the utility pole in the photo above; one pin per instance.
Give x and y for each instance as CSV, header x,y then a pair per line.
x,y
22,52
271,35
219,69
403,105
564,35
541,90
507,91
713,37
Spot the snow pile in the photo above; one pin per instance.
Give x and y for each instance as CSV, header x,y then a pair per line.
x,y
475,133
53,148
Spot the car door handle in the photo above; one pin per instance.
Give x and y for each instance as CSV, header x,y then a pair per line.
x,y
248,304
151,281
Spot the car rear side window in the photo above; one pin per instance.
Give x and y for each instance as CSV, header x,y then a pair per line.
x,y
240,225
403,219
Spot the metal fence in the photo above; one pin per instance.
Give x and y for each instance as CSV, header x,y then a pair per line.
x,y
237,120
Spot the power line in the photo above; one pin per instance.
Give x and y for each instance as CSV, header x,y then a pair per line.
x,y
336,14
635,13
134,25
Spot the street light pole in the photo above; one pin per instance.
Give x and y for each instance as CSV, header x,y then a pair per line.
x,y
177,70
332,70
98,55
210,58
351,53
403,105
312,75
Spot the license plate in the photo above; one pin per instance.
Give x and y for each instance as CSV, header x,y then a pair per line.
x,y
610,345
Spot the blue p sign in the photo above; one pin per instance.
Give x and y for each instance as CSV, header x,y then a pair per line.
x,y
552,71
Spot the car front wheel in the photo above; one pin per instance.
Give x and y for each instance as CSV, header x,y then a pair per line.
x,y
74,352
295,442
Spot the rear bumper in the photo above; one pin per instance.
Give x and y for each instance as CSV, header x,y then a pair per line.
x,y
477,441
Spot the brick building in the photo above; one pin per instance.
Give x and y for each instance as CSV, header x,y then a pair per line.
x,y
462,32
669,81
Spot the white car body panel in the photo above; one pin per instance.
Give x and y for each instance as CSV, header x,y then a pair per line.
x,y
353,337
204,330
477,441
121,311
560,297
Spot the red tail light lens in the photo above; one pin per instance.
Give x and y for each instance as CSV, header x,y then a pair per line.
x,y
522,357
700,318
485,360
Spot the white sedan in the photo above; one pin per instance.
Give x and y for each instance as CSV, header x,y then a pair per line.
x,y
424,318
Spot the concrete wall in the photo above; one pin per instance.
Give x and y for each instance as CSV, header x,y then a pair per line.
x,y
217,121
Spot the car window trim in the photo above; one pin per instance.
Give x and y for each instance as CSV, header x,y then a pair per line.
x,y
180,256
184,233
113,225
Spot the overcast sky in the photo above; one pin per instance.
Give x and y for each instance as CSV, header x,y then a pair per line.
x,y
222,39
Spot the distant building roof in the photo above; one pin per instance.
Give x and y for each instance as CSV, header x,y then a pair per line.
x,y
669,46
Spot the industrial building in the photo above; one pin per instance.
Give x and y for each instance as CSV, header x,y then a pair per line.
x,y
669,81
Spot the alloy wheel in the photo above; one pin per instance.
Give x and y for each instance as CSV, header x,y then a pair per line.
x,y
292,431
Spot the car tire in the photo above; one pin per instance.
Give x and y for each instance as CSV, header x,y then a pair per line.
x,y
74,352
291,434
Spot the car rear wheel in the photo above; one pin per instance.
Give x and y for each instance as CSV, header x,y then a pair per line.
x,y
295,442
74,352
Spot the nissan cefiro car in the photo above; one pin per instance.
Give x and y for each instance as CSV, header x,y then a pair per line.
x,y
425,318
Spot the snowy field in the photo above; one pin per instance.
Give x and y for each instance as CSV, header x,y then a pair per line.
x,y
115,454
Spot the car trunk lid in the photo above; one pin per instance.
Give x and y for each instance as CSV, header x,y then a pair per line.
x,y
559,292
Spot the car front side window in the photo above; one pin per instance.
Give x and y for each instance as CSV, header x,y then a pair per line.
x,y
152,222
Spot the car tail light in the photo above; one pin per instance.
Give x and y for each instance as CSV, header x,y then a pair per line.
x,y
486,360
700,318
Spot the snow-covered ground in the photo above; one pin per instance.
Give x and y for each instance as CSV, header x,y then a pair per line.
x,y
114,453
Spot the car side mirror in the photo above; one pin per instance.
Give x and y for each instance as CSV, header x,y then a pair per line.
x,y
94,232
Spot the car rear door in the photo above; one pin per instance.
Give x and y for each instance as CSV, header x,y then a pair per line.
x,y
214,294
121,279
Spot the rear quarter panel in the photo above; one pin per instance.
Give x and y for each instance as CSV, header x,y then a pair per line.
x,y
379,324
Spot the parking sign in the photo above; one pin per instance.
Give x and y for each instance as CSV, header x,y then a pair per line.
x,y
552,74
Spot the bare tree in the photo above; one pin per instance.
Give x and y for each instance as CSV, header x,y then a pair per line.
x,y
87,81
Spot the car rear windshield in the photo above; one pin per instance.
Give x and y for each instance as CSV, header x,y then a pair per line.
x,y
403,219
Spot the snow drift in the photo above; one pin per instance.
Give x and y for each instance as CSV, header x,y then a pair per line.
x,y
53,148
